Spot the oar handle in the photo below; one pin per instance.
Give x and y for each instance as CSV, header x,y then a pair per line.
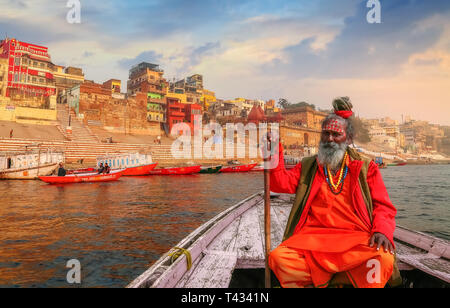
x,y
267,213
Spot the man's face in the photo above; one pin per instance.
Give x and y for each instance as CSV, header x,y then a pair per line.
x,y
334,131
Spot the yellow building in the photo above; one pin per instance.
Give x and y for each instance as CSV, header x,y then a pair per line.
x,y
113,84
181,96
3,79
207,98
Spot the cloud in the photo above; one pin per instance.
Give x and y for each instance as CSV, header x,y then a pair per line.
x,y
146,56
364,50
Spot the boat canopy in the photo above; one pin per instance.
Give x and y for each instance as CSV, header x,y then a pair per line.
x,y
125,160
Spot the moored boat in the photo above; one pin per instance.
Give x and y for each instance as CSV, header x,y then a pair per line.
x,y
176,170
80,171
83,178
240,168
139,170
29,165
228,252
136,164
210,170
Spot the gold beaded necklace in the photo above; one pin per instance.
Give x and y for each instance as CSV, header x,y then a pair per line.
x,y
340,179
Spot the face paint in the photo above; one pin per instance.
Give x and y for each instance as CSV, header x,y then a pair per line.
x,y
335,126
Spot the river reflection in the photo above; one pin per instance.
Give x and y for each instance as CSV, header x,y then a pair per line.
x,y
116,230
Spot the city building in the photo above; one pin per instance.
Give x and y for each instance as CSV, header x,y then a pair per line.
x,y
148,78
192,86
66,78
207,98
30,70
178,112
303,117
3,78
113,84
175,112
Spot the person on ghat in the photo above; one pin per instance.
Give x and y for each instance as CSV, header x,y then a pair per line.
x,y
341,226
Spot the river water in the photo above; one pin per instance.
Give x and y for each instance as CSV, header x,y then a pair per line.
x,y
117,230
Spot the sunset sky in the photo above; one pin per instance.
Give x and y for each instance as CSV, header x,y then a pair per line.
x,y
300,50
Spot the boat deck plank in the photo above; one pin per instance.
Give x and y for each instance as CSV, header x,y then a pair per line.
x,y
226,240
249,242
213,271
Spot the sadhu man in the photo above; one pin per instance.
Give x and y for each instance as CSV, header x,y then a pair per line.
x,y
340,229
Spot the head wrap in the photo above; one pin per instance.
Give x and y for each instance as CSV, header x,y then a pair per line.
x,y
335,125
343,107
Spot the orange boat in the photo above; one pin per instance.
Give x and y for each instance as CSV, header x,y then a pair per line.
x,y
83,178
241,168
176,171
140,170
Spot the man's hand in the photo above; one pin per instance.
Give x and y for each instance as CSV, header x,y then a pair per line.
x,y
381,240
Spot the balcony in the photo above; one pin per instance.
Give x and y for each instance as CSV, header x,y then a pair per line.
x,y
176,113
158,110
156,100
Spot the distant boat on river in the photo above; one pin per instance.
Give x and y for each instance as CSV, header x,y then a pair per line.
x,y
29,166
83,178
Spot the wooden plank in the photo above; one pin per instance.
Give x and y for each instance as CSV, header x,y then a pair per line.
x,y
434,266
214,271
226,241
402,249
188,274
249,243
424,241
196,242
281,213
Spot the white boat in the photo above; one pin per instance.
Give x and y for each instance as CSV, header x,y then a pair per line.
x,y
29,166
228,252
125,160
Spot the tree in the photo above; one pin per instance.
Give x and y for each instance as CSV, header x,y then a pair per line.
x,y
361,131
283,103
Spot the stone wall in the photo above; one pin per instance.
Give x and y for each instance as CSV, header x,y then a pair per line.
x,y
118,115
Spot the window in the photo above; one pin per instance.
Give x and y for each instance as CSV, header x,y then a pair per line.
x,y
35,63
34,79
16,77
17,61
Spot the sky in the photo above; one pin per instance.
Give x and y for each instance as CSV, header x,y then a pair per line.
x,y
299,50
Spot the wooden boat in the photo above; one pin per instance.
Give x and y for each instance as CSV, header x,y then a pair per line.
x,y
80,171
240,168
29,166
176,170
136,164
139,170
210,170
258,167
83,178
228,251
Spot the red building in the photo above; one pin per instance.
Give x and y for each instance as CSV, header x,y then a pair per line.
x,y
29,69
181,113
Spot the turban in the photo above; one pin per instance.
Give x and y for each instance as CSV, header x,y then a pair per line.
x,y
343,107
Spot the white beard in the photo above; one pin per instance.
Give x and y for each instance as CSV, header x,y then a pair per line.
x,y
331,154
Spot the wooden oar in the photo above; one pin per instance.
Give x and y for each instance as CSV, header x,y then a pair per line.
x,y
267,211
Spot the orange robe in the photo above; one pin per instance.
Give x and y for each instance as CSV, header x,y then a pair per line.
x,y
333,240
